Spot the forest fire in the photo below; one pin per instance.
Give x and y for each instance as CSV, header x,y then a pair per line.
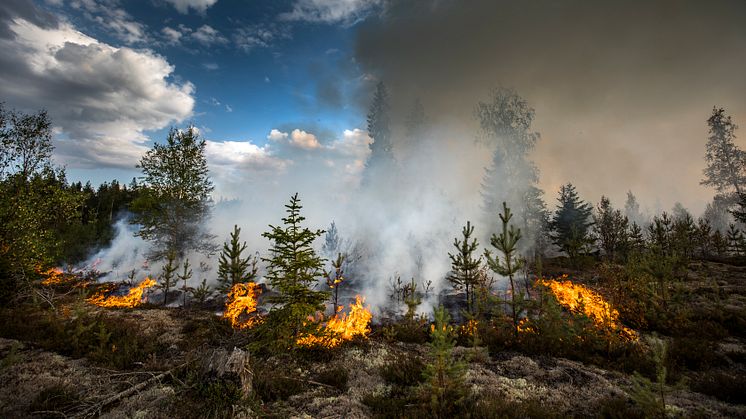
x,y
242,302
342,327
132,299
579,299
52,276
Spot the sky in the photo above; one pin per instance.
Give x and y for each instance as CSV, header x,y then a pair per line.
x,y
621,90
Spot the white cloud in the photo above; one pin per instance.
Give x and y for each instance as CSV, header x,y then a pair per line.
x,y
242,155
259,36
172,35
211,66
199,6
102,98
303,139
228,108
114,19
207,35
277,135
330,11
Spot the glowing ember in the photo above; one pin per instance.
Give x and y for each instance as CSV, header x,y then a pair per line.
x,y
132,299
524,326
578,298
242,300
341,327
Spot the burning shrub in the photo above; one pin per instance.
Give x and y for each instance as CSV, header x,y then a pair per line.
x,y
241,305
579,299
133,298
341,327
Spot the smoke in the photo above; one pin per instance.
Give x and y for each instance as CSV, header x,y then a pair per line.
x,y
621,89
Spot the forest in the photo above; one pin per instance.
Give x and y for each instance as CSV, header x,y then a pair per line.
x,y
566,308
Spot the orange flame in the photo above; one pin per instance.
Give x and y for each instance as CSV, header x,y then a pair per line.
x,y
242,299
341,327
132,299
52,276
578,298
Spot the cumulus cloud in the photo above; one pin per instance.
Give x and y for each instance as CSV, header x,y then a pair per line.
x,y
276,135
101,98
199,6
330,11
207,35
303,139
172,35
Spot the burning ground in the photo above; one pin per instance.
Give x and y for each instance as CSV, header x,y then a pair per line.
x,y
80,357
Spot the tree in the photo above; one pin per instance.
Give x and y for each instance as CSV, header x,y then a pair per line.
x,y
444,376
415,122
176,201
293,268
636,240
632,209
37,206
726,163
506,243
465,267
571,222
704,237
185,276
232,267
332,242
168,277
26,143
610,227
505,121
334,280
735,240
379,129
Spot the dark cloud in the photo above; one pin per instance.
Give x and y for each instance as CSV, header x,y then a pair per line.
x,y
621,88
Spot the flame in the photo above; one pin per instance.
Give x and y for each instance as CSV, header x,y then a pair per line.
x,y
524,326
52,276
578,298
341,327
242,299
132,299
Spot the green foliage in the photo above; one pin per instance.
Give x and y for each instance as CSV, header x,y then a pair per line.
x,y
404,371
649,395
293,269
201,293
185,276
610,226
571,223
444,377
36,204
168,278
465,267
232,267
171,210
506,243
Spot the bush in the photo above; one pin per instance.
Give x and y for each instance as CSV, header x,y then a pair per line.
x,y
335,376
57,398
397,404
722,385
405,371
271,385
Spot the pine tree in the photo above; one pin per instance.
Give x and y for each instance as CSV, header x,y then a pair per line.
x,y
505,122
201,293
381,158
735,240
571,222
636,240
293,268
334,280
610,227
444,377
704,237
168,277
332,242
232,267
465,267
506,243
185,276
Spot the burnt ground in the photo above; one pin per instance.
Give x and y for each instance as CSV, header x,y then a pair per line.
x,y
75,367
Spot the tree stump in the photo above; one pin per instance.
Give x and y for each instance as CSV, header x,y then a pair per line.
x,y
231,366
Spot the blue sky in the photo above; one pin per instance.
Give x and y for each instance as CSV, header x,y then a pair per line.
x,y
235,69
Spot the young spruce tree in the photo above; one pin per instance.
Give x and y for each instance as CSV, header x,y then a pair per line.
x,y
465,268
168,277
293,269
507,244
232,267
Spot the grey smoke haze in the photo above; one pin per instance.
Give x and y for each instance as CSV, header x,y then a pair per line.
x,y
621,89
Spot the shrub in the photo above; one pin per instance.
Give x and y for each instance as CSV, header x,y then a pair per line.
x,y
57,398
725,386
335,376
405,371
